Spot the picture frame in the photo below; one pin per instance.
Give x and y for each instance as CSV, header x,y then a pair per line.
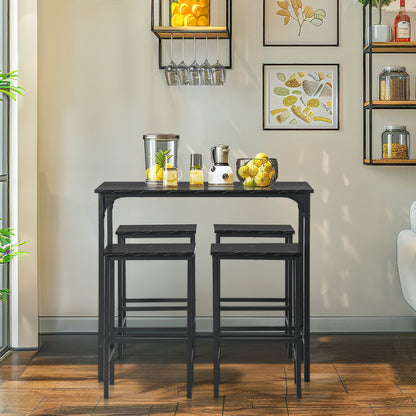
x,y
301,96
316,23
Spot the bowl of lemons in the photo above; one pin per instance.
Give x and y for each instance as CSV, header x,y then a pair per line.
x,y
260,171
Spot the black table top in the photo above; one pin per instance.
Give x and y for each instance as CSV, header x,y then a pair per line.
x,y
140,189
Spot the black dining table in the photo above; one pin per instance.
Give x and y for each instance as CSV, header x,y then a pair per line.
x,y
300,192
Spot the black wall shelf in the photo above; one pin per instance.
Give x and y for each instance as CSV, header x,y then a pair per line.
x,y
369,105
160,27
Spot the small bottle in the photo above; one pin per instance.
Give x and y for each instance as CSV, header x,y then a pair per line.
x,y
196,174
402,25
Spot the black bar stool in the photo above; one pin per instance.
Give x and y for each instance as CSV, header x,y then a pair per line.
x,y
264,230
290,334
123,335
124,232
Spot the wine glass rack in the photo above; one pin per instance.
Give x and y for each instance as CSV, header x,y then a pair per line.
x,y
160,26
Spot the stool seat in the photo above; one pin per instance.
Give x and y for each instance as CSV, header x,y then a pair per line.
x,y
253,230
256,250
157,230
149,250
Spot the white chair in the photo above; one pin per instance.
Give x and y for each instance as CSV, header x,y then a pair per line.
x,y
406,259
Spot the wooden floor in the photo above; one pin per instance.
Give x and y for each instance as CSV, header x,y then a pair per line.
x,y
355,375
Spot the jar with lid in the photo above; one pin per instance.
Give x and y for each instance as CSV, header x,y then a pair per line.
x,y
394,84
196,174
160,151
395,142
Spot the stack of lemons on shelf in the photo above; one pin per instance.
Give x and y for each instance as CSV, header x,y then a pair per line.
x,y
258,171
190,13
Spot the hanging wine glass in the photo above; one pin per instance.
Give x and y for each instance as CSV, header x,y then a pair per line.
x,y
194,78
182,69
205,69
218,71
171,70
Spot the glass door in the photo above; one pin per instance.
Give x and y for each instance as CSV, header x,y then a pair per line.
x,y
4,169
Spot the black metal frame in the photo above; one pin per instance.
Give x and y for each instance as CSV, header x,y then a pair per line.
x,y
254,231
290,334
299,44
368,104
303,129
191,33
112,335
299,192
125,232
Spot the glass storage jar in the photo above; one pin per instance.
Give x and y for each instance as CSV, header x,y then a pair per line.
x,y
196,174
395,142
394,84
159,150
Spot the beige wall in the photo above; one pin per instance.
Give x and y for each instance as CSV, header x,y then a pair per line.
x,y
100,89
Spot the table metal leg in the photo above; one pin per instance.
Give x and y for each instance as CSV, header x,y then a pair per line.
x,y
100,284
217,318
101,273
307,289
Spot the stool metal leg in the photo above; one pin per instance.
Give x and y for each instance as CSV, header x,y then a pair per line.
x,y
298,323
121,296
190,328
288,296
106,346
216,320
193,315
111,321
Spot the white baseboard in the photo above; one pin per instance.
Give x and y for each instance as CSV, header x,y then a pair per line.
x,y
319,324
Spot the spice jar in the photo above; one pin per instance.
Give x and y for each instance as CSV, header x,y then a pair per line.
x,y
395,142
394,84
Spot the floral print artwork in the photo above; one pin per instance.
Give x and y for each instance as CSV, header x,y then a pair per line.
x,y
295,12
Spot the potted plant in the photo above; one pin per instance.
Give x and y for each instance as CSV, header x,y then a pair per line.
x,y
380,33
8,249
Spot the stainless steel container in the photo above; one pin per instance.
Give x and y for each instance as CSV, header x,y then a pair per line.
x,y
219,154
160,150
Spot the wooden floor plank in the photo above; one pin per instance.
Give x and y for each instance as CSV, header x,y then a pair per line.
x,y
357,375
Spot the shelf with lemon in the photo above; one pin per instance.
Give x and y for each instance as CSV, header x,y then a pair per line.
x,y
190,19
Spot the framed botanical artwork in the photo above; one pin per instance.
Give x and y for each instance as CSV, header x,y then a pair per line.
x,y
301,23
300,97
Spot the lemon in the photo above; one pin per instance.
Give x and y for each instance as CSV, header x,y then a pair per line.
x,y
267,167
252,169
159,175
184,9
262,179
169,165
203,20
190,20
147,173
153,171
244,171
249,182
313,102
260,158
177,20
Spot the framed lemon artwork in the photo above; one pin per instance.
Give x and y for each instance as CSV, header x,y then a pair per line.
x,y
300,97
189,12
